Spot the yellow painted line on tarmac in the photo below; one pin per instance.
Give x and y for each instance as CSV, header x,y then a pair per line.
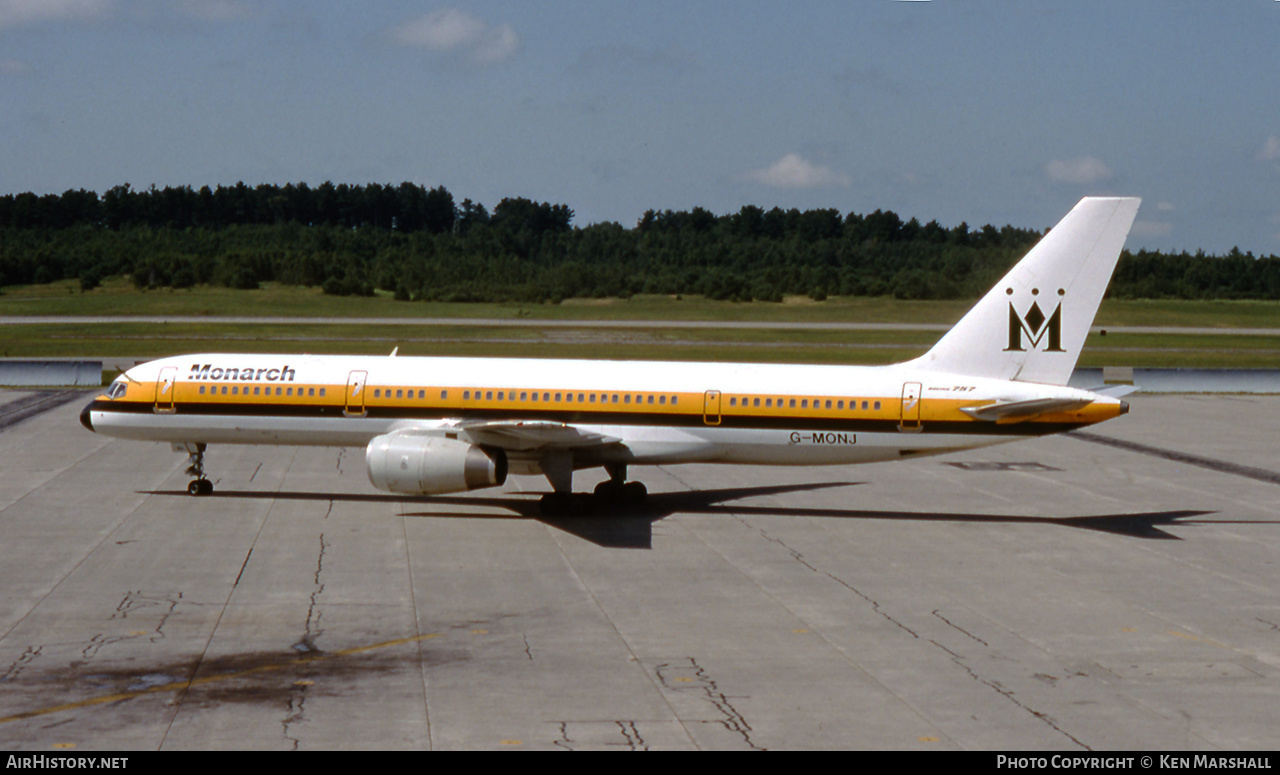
x,y
176,686
1198,639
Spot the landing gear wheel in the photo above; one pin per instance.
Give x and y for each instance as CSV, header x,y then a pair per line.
x,y
609,490
612,491
195,467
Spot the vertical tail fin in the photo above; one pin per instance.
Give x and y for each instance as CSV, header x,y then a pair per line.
x,y
1032,324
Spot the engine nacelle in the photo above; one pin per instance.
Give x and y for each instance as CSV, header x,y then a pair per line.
x,y
427,465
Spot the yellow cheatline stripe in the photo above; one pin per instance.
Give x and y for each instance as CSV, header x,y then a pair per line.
x,y
180,685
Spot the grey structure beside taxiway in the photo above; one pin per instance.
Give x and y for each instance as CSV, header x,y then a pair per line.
x,y
1109,590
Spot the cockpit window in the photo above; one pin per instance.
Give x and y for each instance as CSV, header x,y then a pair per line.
x,y
117,389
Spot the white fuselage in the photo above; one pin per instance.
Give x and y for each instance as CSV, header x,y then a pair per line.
x,y
659,412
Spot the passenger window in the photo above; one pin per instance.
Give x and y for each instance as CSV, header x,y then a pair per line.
x,y
235,390
558,398
663,399
322,392
255,390
804,404
593,398
626,399
768,402
579,398
877,405
651,399
488,395
201,391
840,404
733,401
524,396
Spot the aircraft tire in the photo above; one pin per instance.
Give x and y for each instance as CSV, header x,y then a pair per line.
x,y
611,491
198,487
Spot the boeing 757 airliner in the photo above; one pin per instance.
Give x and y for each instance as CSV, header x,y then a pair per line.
x,y
440,425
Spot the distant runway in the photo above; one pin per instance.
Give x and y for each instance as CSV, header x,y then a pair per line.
x,y
1115,589
543,323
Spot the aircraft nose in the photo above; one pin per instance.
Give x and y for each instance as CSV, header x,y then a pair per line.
x,y
85,419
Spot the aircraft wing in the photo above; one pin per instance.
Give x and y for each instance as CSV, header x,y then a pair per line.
x,y
524,436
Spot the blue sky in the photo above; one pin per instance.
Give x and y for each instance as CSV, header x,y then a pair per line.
x,y
955,110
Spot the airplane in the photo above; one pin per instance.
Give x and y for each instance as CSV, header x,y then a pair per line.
x,y
442,425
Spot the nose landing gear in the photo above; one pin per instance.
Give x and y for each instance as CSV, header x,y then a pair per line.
x,y
195,467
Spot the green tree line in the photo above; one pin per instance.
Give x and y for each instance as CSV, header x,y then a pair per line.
x,y
420,244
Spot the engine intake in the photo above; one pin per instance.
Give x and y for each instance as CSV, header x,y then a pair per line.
x,y
429,465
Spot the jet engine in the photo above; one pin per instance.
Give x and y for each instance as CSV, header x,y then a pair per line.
x,y
428,465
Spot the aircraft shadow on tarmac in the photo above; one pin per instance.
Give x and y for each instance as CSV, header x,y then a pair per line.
x,y
630,526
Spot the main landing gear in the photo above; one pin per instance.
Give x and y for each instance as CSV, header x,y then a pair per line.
x,y
615,491
195,467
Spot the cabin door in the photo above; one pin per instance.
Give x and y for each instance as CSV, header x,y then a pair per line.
x,y
910,407
711,407
164,389
355,393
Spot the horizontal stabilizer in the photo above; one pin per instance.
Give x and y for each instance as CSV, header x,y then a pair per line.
x,y
1115,391
1016,411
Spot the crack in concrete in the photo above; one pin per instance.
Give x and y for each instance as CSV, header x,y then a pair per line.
x,y
960,629
1008,694
314,615
297,713
733,720
25,658
632,740
875,605
955,658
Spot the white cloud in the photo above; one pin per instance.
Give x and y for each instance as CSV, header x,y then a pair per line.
x,y
794,171
14,13
1270,149
1150,229
1083,169
452,31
